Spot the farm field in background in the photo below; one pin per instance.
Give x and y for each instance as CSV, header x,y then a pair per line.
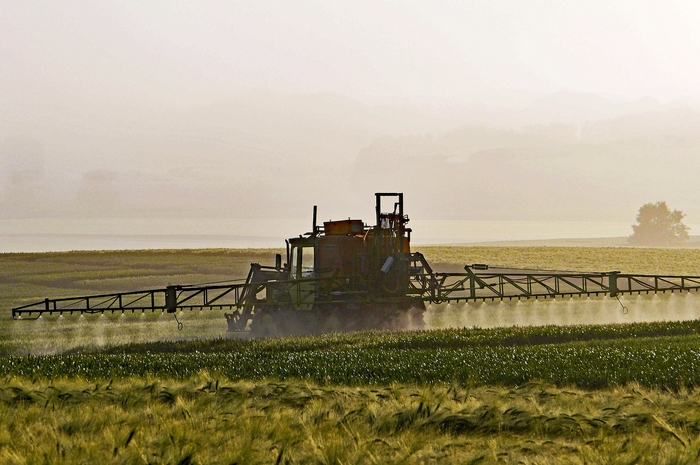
x,y
98,388
639,260
32,277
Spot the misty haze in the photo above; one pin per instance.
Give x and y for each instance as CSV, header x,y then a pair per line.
x,y
134,126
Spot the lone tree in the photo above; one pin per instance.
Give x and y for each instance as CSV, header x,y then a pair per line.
x,y
657,225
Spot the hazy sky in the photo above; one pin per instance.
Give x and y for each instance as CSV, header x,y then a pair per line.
x,y
177,52
174,105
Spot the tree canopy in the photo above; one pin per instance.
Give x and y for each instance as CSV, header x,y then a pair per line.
x,y
658,225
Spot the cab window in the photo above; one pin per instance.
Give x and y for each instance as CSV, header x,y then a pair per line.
x,y
302,262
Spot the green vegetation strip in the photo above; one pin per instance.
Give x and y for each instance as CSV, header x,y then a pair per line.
x,y
666,354
445,338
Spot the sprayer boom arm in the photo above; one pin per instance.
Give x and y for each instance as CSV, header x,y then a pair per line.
x,y
170,299
477,283
521,284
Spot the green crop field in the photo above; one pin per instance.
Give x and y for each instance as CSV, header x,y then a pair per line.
x,y
134,389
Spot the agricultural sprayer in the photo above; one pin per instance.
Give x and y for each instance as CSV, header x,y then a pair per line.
x,y
348,276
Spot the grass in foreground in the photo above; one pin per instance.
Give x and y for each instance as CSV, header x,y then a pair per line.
x,y
206,420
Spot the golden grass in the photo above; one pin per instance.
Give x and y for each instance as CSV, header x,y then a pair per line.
x,y
205,420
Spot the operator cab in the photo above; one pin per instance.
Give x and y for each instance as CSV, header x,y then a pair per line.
x,y
301,258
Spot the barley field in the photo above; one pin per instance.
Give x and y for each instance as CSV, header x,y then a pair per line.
x,y
208,420
527,382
